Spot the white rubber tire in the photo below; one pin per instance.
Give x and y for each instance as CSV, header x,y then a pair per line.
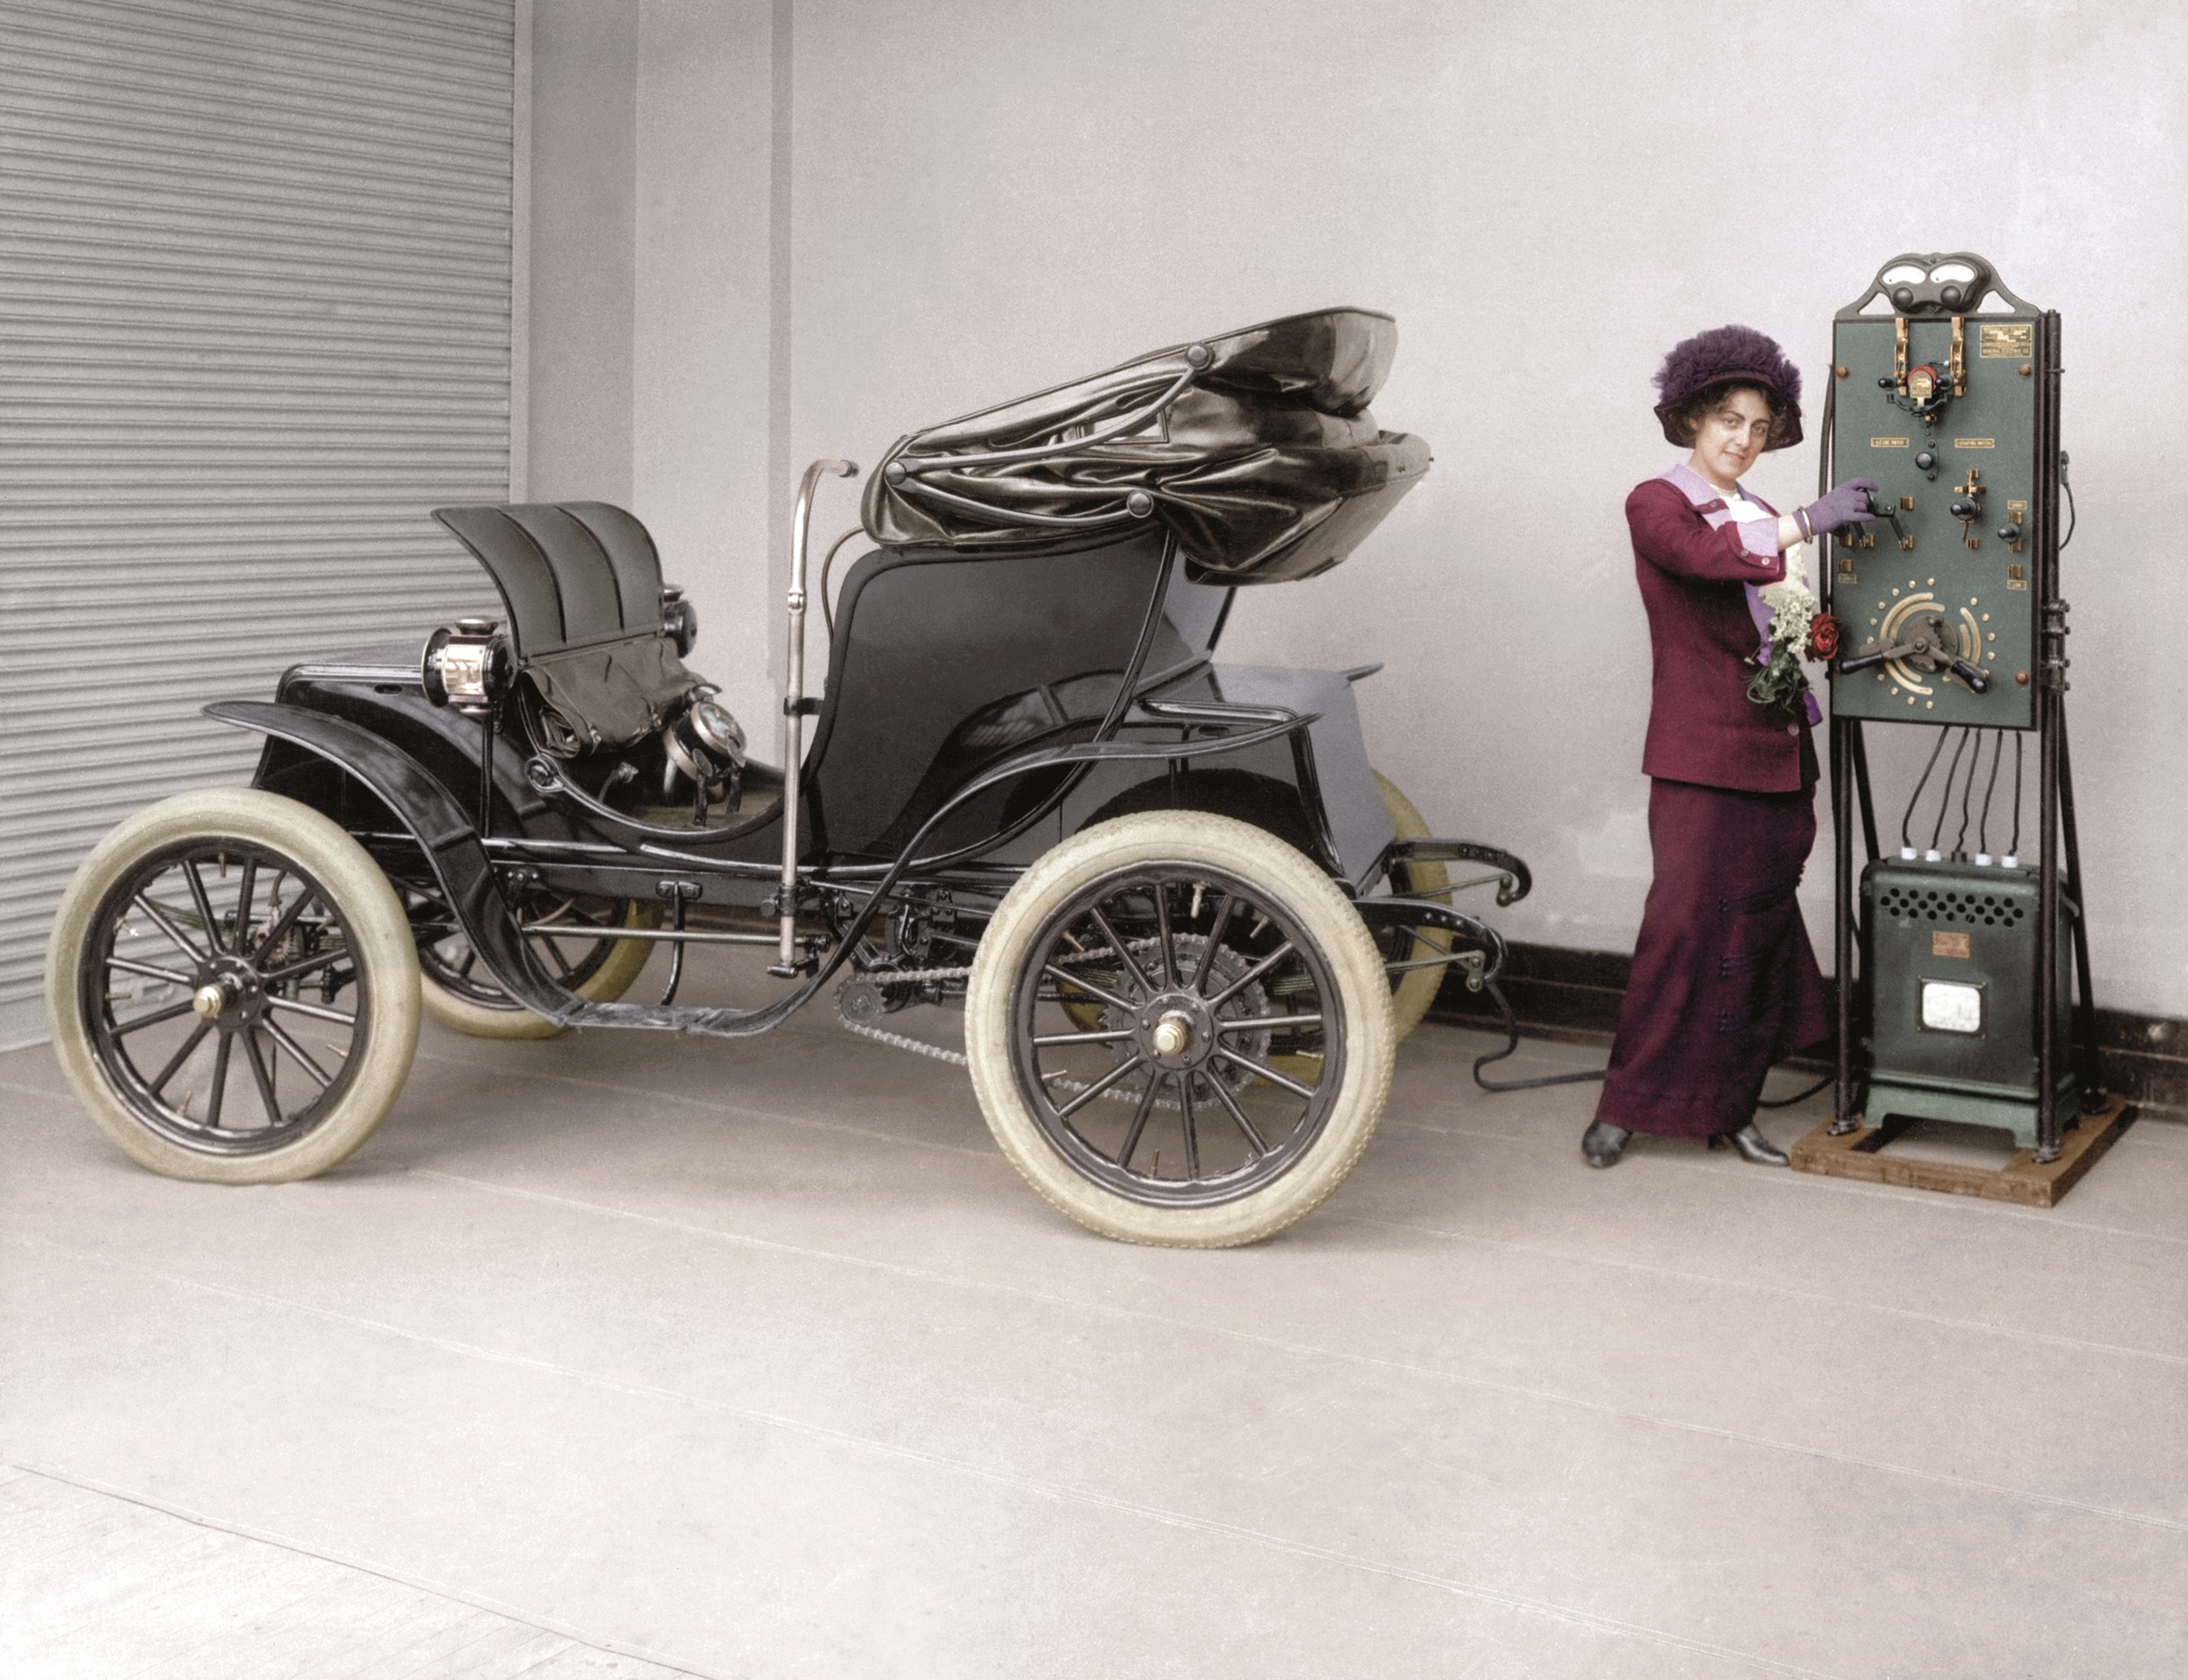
x,y
606,983
1294,882
1412,993
380,939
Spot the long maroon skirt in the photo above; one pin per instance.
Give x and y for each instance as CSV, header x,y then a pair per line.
x,y
1724,981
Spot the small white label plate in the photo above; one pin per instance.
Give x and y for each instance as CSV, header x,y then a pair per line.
x,y
1950,1007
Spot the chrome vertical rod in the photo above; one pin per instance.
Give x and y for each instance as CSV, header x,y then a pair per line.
x,y
794,698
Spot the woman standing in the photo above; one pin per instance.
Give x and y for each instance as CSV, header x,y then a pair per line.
x,y
1724,981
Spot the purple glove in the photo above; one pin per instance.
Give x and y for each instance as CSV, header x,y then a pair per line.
x,y
1846,505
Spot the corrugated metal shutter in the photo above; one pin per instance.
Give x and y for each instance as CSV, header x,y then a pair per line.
x,y
255,291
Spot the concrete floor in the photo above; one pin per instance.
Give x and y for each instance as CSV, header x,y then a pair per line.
x,y
621,1355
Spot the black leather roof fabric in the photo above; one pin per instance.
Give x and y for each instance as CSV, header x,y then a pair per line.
x,y
571,573
1269,467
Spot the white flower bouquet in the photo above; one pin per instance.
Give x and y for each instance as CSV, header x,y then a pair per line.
x,y
1781,681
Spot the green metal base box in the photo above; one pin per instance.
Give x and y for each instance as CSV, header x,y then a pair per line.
x,y
1949,956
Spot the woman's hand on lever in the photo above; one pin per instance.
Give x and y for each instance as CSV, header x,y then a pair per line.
x,y
1847,503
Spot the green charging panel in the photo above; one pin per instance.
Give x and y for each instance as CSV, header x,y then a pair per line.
x,y
1971,578
1950,950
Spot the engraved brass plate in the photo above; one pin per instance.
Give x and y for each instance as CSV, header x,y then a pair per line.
x,y
1975,443
1887,443
2009,341
1942,943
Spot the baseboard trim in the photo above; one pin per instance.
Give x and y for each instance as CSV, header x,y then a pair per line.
x,y
1572,996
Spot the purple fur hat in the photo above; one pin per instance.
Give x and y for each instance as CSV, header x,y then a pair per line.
x,y
1723,353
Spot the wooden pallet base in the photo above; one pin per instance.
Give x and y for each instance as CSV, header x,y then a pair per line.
x,y
2019,1180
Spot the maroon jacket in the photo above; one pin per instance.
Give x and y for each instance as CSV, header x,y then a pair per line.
x,y
1703,636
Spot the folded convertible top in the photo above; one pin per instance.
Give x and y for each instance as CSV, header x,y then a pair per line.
x,y
1265,462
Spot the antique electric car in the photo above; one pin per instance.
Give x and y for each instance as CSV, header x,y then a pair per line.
x,y
1185,919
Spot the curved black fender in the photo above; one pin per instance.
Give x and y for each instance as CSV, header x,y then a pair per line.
x,y
432,818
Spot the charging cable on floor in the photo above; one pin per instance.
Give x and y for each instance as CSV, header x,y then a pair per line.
x,y
1511,1045
1586,1075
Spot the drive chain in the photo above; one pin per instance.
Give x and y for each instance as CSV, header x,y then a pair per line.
x,y
957,1058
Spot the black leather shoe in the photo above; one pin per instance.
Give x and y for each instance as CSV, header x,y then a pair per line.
x,y
1603,1143
1753,1146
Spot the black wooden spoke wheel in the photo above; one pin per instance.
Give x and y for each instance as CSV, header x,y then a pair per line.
x,y
232,989
1180,1031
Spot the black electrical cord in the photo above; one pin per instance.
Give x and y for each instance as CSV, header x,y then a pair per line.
x,y
1511,1045
1907,816
1801,1096
1945,796
827,607
1982,827
2014,850
2071,515
1967,796
1587,1076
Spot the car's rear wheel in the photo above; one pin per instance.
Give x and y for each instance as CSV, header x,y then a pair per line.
x,y
1243,1048
232,989
458,993
1411,990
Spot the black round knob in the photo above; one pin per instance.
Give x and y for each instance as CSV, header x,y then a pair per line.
x,y
1926,461
1964,509
1950,297
2009,533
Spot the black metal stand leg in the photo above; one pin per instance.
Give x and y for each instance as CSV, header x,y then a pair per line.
x,y
2051,674
2047,932
1857,749
2089,1068
1846,751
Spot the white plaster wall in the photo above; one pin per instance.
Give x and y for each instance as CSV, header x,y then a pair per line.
x,y
992,196
980,198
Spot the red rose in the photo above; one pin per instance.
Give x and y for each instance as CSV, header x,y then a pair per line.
x,y
1823,634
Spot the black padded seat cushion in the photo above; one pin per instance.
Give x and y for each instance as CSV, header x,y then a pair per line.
x,y
571,573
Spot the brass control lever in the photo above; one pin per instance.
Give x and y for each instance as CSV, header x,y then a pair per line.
x,y
1928,645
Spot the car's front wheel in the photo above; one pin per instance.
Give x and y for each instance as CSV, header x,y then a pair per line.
x,y
233,987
